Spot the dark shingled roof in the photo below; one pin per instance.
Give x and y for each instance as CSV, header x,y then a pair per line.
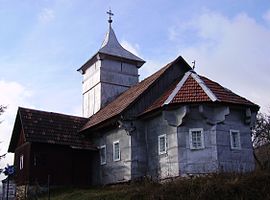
x,y
124,100
192,92
48,127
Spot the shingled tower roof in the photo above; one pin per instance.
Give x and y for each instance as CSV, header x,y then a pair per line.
x,y
112,48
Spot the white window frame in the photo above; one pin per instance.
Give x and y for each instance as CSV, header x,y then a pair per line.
x,y
119,153
191,141
103,162
21,162
238,138
160,152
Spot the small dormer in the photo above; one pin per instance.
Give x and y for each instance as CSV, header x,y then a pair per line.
x,y
110,72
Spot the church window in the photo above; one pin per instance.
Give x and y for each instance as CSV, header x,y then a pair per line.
x,y
162,144
21,162
235,139
116,151
103,155
196,138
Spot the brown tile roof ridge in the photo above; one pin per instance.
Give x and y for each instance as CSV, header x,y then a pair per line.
x,y
225,95
210,91
124,100
49,112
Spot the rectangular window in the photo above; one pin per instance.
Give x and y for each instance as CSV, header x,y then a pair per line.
x,y
116,151
102,151
196,138
21,162
235,139
162,144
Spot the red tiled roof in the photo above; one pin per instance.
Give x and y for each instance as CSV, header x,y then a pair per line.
x,y
225,95
191,91
51,128
124,100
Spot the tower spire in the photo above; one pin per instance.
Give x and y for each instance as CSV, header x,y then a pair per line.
x,y
113,70
110,16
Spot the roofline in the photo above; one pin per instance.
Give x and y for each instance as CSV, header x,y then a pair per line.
x,y
145,115
207,90
57,113
167,66
107,123
201,83
17,120
250,102
177,88
97,56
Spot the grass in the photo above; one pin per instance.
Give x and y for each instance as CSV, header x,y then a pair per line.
x,y
212,187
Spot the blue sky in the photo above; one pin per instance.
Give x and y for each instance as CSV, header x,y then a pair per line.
x,y
43,43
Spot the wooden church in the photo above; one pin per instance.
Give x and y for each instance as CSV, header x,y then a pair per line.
x,y
172,124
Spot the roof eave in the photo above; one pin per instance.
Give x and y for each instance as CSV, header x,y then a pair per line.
x,y
157,110
88,62
138,62
105,123
15,133
101,55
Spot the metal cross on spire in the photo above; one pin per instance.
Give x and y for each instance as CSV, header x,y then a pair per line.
x,y
110,16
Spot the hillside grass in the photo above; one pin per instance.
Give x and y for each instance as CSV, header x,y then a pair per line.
x,y
211,187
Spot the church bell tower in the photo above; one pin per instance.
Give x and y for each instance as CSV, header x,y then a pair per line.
x,y
110,72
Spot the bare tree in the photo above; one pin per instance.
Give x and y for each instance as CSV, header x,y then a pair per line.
x,y
261,132
261,140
